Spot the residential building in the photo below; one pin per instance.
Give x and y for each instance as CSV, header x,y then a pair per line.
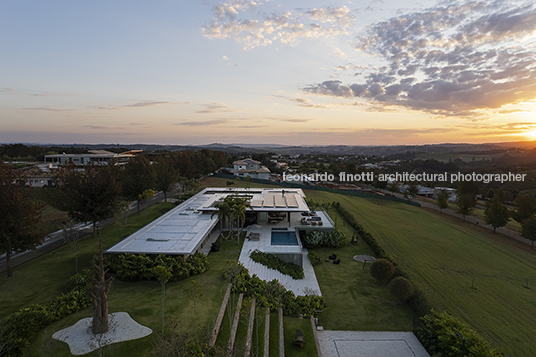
x,y
251,168
95,157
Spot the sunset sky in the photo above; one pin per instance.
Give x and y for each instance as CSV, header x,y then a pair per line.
x,y
288,72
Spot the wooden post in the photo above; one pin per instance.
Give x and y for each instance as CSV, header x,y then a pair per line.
x,y
235,326
281,334
249,338
267,333
217,325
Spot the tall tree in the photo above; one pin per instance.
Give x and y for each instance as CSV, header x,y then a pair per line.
x,y
137,176
525,207
496,213
239,206
91,194
223,213
19,216
166,174
88,195
465,202
466,197
442,200
529,229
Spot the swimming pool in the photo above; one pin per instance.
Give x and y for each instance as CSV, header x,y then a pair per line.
x,y
284,238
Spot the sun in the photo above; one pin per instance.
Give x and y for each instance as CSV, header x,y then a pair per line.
x,y
532,133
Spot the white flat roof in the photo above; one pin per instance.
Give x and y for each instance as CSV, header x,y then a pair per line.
x,y
182,230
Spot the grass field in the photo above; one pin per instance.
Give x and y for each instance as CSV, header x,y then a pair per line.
x,y
442,258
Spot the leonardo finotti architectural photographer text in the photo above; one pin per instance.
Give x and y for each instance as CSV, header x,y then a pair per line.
x,y
405,177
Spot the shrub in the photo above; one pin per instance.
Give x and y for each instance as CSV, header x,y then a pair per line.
x,y
444,335
382,270
314,258
318,239
273,262
271,294
19,328
401,288
136,267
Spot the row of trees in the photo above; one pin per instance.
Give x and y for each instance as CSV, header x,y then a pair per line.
x,y
497,213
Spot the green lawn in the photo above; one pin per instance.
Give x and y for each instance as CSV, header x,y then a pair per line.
x,y
142,300
355,301
442,256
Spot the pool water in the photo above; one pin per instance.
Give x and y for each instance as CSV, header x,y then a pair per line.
x,y
284,238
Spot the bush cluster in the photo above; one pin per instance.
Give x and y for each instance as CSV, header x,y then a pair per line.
x,y
137,267
319,239
382,270
314,258
273,262
18,329
271,294
401,288
444,335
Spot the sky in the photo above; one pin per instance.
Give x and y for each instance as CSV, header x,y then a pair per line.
x,y
190,72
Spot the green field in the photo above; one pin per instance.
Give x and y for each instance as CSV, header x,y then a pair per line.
x,y
442,256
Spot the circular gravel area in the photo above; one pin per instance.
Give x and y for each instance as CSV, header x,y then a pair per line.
x,y
364,258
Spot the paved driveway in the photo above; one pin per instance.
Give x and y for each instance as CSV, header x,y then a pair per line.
x,y
370,344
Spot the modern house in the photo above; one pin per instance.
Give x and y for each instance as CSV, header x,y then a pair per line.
x,y
274,223
95,157
251,168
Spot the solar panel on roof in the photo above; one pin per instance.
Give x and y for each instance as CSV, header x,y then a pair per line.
x,y
268,201
280,201
291,201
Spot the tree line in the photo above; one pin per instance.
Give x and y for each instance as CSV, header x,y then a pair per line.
x,y
496,214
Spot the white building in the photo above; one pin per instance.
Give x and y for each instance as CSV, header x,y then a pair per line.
x,y
251,168
95,157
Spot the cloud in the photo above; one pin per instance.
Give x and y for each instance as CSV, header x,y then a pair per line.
x,y
286,27
96,127
216,108
50,109
300,100
454,60
8,91
204,123
144,104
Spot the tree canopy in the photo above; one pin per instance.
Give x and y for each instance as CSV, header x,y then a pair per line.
x,y
137,176
88,195
20,214
496,214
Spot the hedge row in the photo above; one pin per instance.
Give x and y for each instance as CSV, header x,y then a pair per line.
x,y
366,236
137,267
18,329
271,294
273,262
438,334
319,239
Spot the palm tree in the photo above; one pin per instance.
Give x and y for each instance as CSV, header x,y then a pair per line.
x,y
223,212
238,210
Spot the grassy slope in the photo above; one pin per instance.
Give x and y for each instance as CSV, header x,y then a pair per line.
x,y
142,300
41,280
442,257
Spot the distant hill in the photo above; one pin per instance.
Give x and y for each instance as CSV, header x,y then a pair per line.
x,y
341,150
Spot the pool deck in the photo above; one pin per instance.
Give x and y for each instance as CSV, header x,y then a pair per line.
x,y
304,286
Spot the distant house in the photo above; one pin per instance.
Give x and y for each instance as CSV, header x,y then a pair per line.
x,y
251,168
95,157
36,176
